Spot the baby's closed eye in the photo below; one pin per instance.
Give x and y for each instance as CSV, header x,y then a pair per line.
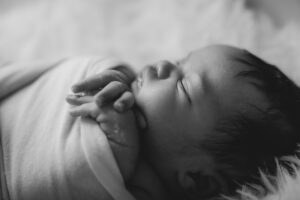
x,y
183,87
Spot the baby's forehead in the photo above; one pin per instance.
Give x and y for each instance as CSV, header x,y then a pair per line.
x,y
218,57
220,60
232,74
220,53
223,50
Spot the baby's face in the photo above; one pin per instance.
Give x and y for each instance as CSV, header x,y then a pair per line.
x,y
182,103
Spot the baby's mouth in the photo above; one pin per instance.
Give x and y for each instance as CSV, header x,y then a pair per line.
x,y
136,85
139,82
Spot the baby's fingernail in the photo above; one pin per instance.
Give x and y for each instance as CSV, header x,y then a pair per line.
x,y
72,112
74,88
120,107
78,95
70,99
71,96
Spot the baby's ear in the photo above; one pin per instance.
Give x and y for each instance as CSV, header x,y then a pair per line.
x,y
197,185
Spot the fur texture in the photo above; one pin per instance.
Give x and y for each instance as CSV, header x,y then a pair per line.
x,y
285,186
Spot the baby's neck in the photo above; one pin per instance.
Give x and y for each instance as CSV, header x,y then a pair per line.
x,y
145,184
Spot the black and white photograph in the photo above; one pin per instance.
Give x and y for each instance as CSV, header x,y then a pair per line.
x,y
149,99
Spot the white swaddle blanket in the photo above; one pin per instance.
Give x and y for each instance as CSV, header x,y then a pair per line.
x,y
47,153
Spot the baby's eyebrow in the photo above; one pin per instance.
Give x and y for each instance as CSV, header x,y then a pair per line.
x,y
246,62
243,61
252,73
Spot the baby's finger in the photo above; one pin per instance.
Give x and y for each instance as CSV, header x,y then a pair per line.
x,y
124,102
110,92
78,100
95,82
85,110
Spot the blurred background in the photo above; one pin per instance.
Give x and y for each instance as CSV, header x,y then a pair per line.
x,y
144,31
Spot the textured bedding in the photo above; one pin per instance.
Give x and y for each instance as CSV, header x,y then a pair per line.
x,y
143,31
46,153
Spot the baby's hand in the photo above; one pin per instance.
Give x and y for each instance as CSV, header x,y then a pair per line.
x,y
114,86
120,129
99,97
122,133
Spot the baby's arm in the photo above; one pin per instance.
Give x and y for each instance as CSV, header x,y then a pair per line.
x,y
120,127
140,179
144,183
121,131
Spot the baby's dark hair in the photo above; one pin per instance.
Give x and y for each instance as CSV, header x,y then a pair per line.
x,y
243,145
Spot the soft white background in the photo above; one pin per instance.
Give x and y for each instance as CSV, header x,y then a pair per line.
x,y
141,31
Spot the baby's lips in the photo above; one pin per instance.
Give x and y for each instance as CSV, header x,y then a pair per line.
x,y
76,88
136,85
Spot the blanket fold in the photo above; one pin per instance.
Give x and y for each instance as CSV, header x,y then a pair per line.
x,y
47,154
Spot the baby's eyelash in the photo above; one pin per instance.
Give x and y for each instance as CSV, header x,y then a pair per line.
x,y
184,89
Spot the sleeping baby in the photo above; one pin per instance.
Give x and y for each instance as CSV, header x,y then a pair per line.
x,y
206,124
198,128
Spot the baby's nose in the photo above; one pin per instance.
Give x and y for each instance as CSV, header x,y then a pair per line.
x,y
164,69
